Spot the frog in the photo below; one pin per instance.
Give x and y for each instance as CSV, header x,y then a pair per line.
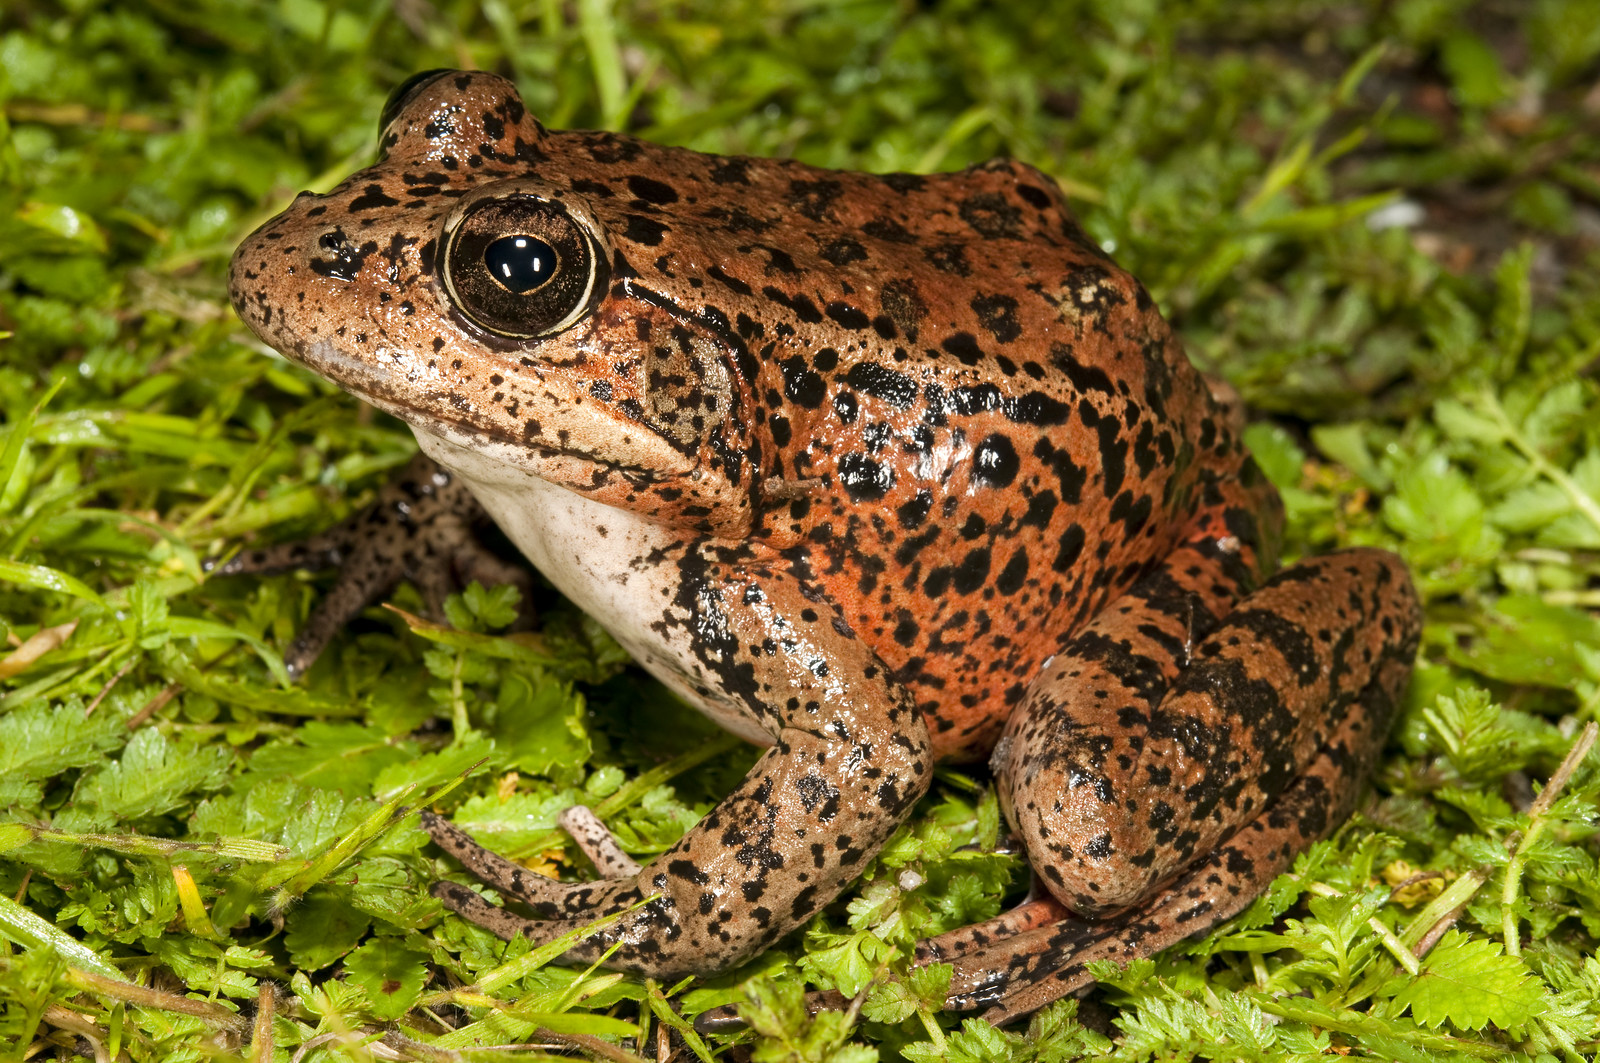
x,y
879,472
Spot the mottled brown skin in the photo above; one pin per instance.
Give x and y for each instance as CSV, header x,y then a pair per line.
x,y
898,469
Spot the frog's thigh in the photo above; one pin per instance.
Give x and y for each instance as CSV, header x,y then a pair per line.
x,y
1019,974
1130,756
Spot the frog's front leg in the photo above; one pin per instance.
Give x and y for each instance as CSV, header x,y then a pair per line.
x,y
850,757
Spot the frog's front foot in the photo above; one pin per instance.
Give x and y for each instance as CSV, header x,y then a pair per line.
x,y
420,528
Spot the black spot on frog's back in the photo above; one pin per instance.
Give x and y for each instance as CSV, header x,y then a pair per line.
x,y
610,149
591,188
997,314
964,345
995,462
905,182
848,316
1034,196
864,479
884,383
801,384
842,251
991,215
642,230
814,199
1014,576
372,197
730,170
652,191
1084,377
949,257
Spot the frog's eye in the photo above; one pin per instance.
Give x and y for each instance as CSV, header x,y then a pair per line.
x,y
521,266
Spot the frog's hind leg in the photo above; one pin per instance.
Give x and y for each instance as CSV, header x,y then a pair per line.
x,y
1014,976
419,528
1036,953
1135,753
1139,751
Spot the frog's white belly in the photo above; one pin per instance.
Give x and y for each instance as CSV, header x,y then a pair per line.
x,y
597,555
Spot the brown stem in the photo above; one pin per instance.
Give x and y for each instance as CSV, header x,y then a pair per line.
x,y
261,1036
133,993
153,706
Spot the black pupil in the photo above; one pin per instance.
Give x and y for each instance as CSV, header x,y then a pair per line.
x,y
521,263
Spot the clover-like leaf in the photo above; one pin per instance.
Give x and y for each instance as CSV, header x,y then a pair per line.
x,y
392,975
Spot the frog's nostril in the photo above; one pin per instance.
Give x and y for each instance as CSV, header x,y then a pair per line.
x,y
337,257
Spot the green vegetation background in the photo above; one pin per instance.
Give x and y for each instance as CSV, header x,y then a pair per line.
x,y
1380,220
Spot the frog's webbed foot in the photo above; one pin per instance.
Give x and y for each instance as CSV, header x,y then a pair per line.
x,y
543,894
420,528
546,896
498,921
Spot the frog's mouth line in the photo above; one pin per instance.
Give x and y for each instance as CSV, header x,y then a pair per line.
x,y
372,386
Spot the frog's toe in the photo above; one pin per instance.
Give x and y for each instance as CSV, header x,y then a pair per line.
x,y
474,909
542,894
318,552
597,843
1039,910
508,926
